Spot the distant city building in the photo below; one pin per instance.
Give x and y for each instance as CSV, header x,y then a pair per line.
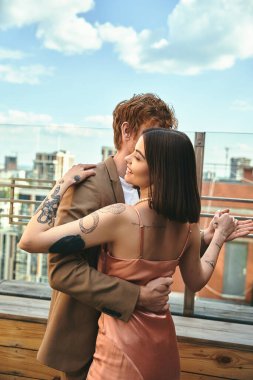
x,y
10,168
52,165
10,163
237,167
107,151
8,244
16,264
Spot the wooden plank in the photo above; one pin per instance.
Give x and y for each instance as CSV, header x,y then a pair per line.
x,y
24,309
3,376
215,333
195,376
188,329
21,334
213,309
213,361
21,362
25,289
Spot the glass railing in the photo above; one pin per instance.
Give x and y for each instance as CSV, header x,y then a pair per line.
x,y
32,157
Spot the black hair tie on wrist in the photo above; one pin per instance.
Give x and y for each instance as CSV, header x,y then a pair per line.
x,y
68,244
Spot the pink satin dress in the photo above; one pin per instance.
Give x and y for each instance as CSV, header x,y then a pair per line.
x,y
144,348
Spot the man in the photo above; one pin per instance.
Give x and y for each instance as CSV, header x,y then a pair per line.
x,y
82,293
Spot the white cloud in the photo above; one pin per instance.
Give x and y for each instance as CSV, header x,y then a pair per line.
x,y
59,24
72,130
11,54
99,120
202,34
24,118
160,44
242,105
29,74
13,121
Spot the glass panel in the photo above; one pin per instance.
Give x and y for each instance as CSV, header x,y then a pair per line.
x,y
235,267
29,153
228,173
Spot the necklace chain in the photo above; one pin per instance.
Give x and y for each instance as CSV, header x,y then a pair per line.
x,y
143,200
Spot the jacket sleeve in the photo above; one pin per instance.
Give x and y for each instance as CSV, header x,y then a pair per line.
x,y
72,274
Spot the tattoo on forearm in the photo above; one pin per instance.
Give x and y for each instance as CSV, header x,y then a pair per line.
x,y
95,220
211,263
49,208
68,244
114,209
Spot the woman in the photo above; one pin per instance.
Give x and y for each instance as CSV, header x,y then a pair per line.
x,y
145,241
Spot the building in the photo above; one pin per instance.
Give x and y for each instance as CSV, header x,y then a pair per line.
x,y
52,166
10,163
237,167
107,151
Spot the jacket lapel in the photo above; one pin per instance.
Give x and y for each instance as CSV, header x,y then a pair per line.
x,y
115,181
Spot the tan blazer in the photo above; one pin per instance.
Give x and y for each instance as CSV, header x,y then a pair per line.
x,y
81,292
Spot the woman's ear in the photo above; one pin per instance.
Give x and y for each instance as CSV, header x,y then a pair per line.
x,y
125,131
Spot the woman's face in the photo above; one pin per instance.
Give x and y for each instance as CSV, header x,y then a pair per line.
x,y
137,172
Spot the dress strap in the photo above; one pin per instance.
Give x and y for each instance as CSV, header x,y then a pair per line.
x,y
141,226
186,241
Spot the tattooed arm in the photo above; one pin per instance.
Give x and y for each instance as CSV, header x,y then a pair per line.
x,y
197,271
44,217
99,227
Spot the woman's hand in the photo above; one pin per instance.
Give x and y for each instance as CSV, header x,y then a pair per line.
x,y
224,225
78,173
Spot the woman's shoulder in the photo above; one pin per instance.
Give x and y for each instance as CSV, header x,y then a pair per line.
x,y
120,209
117,214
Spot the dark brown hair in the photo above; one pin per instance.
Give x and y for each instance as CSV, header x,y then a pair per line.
x,y
172,169
142,108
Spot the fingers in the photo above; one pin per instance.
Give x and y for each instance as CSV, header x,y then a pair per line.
x,y
166,307
246,222
80,172
164,284
90,172
224,211
217,213
88,166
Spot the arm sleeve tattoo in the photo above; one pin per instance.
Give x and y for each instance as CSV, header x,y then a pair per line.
x,y
49,208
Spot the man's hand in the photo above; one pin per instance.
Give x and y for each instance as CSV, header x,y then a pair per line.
x,y
243,228
154,296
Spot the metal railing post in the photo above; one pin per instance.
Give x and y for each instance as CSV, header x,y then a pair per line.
x,y
199,147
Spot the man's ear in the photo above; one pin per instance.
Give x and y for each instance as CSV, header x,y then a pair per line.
x,y
125,131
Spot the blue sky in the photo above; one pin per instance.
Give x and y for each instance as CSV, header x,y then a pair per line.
x,y
66,64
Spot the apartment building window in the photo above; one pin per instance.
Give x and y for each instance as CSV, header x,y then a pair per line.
x,y
235,270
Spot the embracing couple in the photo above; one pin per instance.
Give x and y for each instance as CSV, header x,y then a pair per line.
x,y
115,233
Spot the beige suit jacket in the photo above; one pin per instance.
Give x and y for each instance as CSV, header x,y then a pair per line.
x,y
80,292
